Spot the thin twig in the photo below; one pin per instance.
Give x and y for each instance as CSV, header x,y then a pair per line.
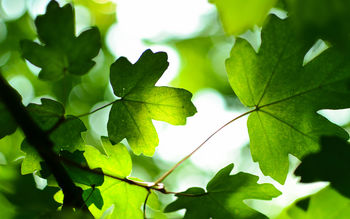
x,y
145,204
194,151
89,196
157,185
146,185
58,123
102,107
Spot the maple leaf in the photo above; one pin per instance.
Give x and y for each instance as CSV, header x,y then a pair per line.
x,y
66,136
287,95
224,197
62,51
126,199
141,101
89,181
325,204
78,175
331,163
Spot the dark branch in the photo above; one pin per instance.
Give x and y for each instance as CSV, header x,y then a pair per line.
x,y
43,145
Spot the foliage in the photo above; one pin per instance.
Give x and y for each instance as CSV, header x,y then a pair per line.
x,y
6,118
286,95
116,162
224,192
322,18
237,16
282,87
318,205
65,137
141,101
62,53
329,164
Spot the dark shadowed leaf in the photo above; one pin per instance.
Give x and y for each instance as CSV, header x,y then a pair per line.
x,y
7,123
65,132
61,52
47,114
93,196
324,19
331,163
224,197
30,202
77,174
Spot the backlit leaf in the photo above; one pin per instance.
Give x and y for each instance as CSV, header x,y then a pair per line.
x,y
325,204
141,101
287,95
126,199
237,16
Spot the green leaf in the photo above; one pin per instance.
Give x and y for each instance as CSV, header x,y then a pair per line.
x,y
287,95
93,196
62,52
6,118
66,136
47,114
26,200
331,163
326,204
224,197
32,159
237,16
141,101
127,199
77,174
323,19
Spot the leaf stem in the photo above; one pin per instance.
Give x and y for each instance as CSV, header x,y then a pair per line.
x,y
145,204
165,175
92,191
146,185
157,185
102,107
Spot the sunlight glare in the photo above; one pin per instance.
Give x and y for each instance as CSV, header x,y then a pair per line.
x,y
176,141
24,87
13,9
155,21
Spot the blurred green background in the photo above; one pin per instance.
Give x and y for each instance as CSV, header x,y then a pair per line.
x,y
197,40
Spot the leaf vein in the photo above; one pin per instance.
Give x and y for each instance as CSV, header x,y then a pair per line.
x,y
291,126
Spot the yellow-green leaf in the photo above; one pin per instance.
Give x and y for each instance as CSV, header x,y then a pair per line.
x,y
141,101
237,16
